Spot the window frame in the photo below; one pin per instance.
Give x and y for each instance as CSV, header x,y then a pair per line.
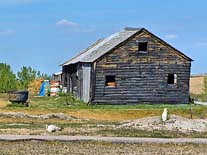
x,y
142,42
105,81
175,79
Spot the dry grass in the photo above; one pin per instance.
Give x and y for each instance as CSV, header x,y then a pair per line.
x,y
100,113
113,115
103,148
196,85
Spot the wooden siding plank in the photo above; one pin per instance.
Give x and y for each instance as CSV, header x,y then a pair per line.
x,y
86,82
142,77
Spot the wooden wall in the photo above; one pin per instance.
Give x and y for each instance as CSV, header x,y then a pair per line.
x,y
71,79
142,77
86,82
77,79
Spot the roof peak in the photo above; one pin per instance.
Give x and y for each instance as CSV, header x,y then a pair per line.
x,y
101,47
132,28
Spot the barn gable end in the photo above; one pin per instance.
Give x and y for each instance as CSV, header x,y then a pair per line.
x,y
142,76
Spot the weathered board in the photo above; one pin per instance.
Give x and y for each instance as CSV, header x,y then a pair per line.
x,y
71,80
86,81
141,76
77,79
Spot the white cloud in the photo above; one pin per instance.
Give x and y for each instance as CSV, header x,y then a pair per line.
x,y
66,23
70,26
6,32
171,36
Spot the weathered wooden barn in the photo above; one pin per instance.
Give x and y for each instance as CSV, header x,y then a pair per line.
x,y
129,67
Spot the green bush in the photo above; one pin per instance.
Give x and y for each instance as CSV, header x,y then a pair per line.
x,y
70,99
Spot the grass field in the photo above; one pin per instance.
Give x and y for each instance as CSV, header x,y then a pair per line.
x,y
98,112
94,120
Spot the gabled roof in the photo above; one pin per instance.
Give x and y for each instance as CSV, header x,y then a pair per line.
x,y
102,46
176,50
81,55
58,73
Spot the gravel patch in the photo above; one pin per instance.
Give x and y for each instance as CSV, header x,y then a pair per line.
x,y
175,123
46,116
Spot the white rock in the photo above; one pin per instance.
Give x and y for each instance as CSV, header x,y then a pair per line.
x,y
52,128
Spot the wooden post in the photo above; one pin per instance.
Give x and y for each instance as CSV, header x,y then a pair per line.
x,y
191,113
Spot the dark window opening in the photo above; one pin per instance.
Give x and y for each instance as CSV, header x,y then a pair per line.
x,y
142,46
110,81
172,79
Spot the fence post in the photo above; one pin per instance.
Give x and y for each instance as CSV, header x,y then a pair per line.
x,y
191,113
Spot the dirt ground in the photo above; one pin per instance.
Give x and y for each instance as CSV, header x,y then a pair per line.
x,y
175,123
96,148
175,127
112,123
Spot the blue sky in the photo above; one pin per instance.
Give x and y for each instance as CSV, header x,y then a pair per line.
x,y
44,33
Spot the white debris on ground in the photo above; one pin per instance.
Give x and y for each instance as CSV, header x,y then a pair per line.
x,y
46,116
175,123
200,103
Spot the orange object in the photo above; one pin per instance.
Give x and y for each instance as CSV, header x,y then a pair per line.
x,y
54,88
34,86
111,84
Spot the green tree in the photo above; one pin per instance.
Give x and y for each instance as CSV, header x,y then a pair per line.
x,y
7,78
25,76
46,77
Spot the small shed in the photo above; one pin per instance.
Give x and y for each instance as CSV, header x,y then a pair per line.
x,y
57,77
129,67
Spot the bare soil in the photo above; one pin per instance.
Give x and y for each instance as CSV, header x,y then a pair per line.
x,y
176,126
43,116
95,148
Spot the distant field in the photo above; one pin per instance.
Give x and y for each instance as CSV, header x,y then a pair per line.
x,y
196,84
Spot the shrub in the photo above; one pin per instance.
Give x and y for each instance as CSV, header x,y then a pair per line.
x,y
70,99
